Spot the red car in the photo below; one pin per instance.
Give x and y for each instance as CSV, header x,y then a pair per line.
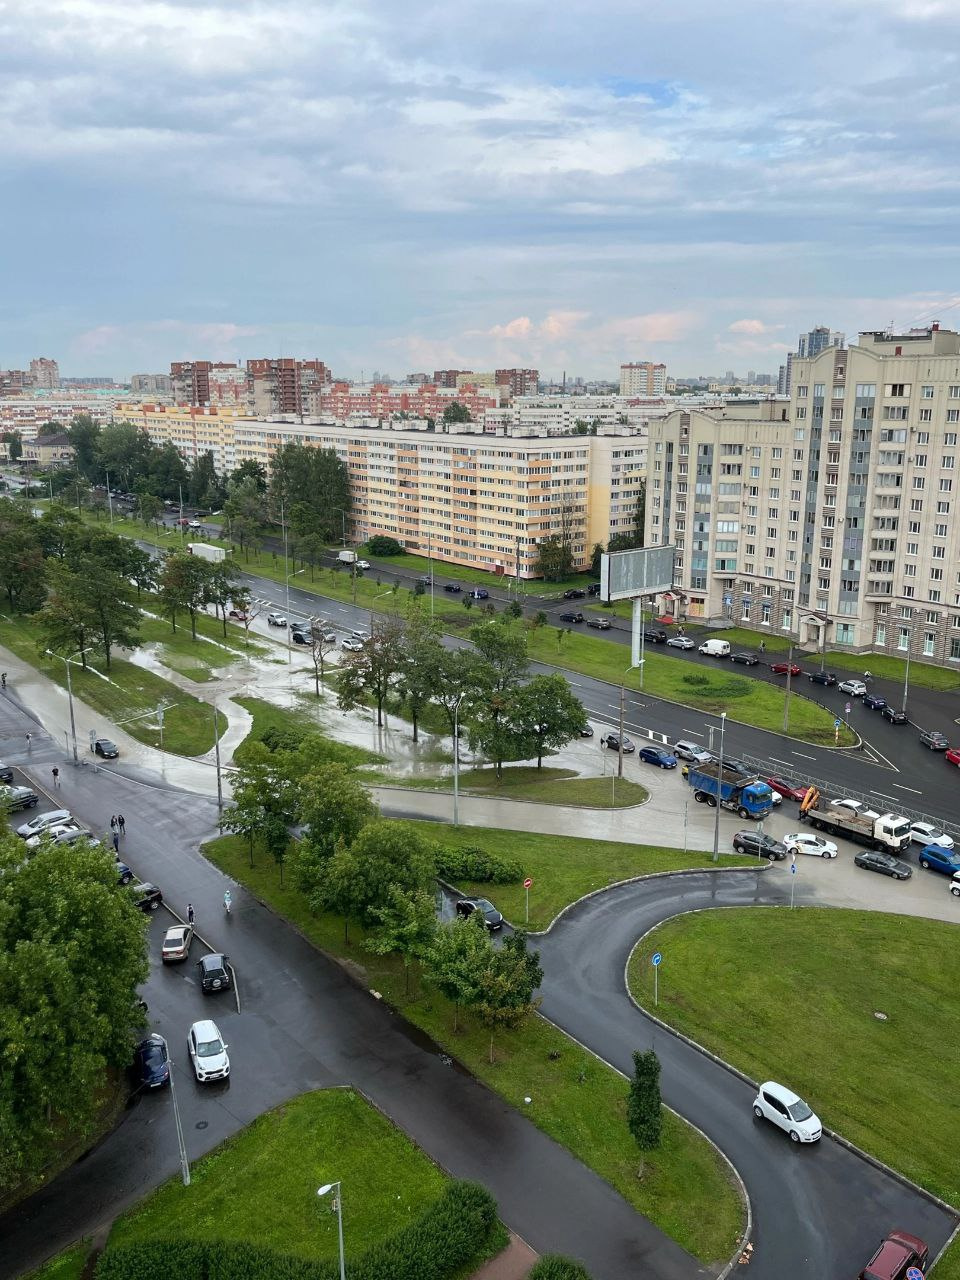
x,y
786,789
896,1255
780,668
952,756
238,615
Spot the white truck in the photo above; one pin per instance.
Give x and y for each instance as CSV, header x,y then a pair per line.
x,y
204,551
347,557
890,832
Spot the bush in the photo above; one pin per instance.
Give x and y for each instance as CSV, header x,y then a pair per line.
x,y
449,1235
552,1266
695,678
381,546
472,863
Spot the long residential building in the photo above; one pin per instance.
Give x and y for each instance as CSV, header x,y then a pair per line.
x,y
835,520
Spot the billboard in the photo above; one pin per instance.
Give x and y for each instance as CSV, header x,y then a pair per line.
x,y
645,571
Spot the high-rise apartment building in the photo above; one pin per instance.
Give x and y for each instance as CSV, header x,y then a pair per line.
x,y
817,340
45,374
151,384
643,379
447,377
521,382
283,385
191,381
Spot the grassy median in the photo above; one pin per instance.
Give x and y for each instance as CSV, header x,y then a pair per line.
x,y
541,786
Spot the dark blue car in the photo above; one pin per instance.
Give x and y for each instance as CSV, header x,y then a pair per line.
x,y
659,757
935,857
151,1062
874,701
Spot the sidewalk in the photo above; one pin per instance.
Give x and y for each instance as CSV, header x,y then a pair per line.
x,y
512,1263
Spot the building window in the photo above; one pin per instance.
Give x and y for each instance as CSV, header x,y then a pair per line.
x,y
881,634
844,633
903,640
955,649
928,642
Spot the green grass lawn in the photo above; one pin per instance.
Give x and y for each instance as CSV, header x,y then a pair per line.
x,y
299,723
544,786
261,1186
791,996
123,692
575,1098
67,1265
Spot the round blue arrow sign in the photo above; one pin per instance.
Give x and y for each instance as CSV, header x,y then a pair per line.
x,y
656,958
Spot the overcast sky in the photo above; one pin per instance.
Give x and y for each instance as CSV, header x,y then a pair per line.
x,y
405,186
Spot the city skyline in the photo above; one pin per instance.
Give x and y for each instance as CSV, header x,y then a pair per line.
x,y
597,189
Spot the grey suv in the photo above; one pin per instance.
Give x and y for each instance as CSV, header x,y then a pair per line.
x,y
759,844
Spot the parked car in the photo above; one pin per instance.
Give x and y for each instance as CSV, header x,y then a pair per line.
x,y
52,818
453,587
361,635
593,589
480,593
789,790
208,1053
657,755
571,617
574,593
329,636
822,677
782,1107
761,844
238,615
363,564
147,896
276,620
952,756
873,701
612,740
894,715
856,806
780,668
586,731
955,884
883,863
934,857
856,688
176,943
67,833
934,739
681,642
927,833
301,637
6,773
124,874
214,972
491,916
151,1062
744,658
898,1252
106,749
12,798
351,645
653,635
807,842
686,750
599,624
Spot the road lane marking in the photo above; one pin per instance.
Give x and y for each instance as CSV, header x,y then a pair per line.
x,y
803,756
901,787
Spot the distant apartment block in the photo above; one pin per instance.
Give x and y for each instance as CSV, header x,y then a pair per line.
x,y
151,384
193,429
521,382
447,377
342,401
643,379
45,373
819,339
27,413
284,385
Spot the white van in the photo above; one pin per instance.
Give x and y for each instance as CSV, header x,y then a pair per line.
x,y
715,648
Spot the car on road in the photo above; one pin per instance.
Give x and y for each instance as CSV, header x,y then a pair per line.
x,y
176,943
782,1107
328,636
934,857
683,749
594,589
6,773
106,749
238,615
822,677
363,564
653,635
873,702
480,593
662,758
214,972
612,740
885,864
124,874
856,806
927,833
151,1062
807,842
681,642
745,659
351,645
789,790
856,688
934,739
952,756
571,617
599,624
361,635
586,731
12,798
575,593
760,844
899,1251
194,524
276,620
780,668
955,885
894,715
301,637
208,1053
52,818
491,916
453,587
146,896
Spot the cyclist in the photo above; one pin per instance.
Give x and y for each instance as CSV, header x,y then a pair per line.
x,y
227,902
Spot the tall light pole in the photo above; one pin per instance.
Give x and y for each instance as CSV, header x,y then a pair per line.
x,y
456,761
287,577
325,1190
182,1146
906,673
388,592
216,742
73,724
343,523
109,496
716,818
627,670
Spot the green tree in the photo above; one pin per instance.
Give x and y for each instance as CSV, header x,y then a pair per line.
x,y
547,710
250,469
514,609
223,585
185,587
454,686
359,878
244,511
265,796
123,451
421,661
309,549
56,529
72,953
504,997
116,619
372,671
84,436
456,412
554,559
644,1111
333,807
313,487
150,508
21,558
456,959
500,666
166,472
322,644
595,556
66,622
14,442
404,925
203,487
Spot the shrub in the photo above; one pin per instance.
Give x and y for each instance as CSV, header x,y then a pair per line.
x,y
472,863
382,546
695,678
552,1266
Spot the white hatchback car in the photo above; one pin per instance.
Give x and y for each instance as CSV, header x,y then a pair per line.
x,y
806,842
927,833
207,1051
855,806
783,1108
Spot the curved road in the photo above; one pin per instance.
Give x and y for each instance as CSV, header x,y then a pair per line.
x,y
818,1211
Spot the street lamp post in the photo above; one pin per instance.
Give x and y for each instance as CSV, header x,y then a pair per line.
x,y
73,724
388,592
325,1190
456,761
716,818
906,673
343,523
287,577
620,737
181,1144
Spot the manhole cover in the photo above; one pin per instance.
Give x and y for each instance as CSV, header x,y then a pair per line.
x,y
881,1017
201,1124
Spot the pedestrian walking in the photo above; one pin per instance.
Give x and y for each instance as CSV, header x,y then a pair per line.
x,y
116,843
3,679
189,913
29,737
763,647
113,822
56,776
122,824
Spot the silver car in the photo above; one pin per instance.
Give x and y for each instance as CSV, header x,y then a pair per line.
x,y
55,818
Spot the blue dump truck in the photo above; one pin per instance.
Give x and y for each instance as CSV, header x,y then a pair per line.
x,y
749,797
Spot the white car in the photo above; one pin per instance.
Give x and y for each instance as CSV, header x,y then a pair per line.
x,y
61,833
692,751
783,1108
362,636
363,564
927,833
276,620
351,645
207,1051
855,806
856,688
807,842
176,943
55,818
680,642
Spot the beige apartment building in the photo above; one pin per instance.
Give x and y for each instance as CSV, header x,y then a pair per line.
x,y
194,429
834,520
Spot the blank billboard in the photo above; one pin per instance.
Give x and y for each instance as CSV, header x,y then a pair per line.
x,y
645,571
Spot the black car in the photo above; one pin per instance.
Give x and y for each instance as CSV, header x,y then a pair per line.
x,y
105,748
760,844
593,589
12,798
934,739
214,972
893,715
124,874
653,636
147,896
301,637
453,587
599,624
885,863
480,593
571,617
575,593
822,677
6,773
151,1062
748,659
612,740
491,916
586,731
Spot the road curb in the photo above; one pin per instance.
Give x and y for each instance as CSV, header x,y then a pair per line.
x,y
547,804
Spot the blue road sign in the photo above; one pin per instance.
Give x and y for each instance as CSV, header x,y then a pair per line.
x,y
656,958
837,723
914,1273
793,868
